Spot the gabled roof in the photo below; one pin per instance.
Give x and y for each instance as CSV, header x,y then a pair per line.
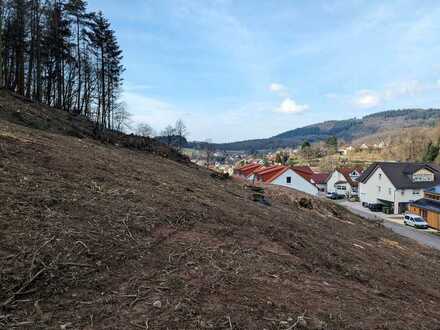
x,y
400,174
248,169
304,171
264,168
346,171
271,173
320,178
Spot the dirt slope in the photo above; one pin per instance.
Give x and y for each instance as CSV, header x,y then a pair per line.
x,y
95,236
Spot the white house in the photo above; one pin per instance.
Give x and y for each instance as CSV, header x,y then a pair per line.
x,y
397,184
343,181
291,177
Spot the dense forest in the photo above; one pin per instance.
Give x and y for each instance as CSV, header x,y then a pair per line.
x,y
57,53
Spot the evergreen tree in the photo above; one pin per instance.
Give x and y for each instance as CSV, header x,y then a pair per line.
x,y
305,145
54,51
431,152
332,143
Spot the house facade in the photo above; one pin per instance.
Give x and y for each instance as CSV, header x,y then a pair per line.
x,y
397,184
343,181
428,207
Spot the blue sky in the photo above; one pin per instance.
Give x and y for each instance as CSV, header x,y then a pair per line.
x,y
242,69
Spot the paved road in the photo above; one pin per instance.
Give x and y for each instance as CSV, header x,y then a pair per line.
x,y
418,235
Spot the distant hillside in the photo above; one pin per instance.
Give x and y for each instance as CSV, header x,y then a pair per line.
x,y
347,130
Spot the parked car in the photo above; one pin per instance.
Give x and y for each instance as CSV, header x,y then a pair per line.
x,y
333,195
375,207
415,221
365,204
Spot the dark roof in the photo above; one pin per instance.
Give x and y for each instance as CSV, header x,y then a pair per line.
x,y
434,190
400,174
427,204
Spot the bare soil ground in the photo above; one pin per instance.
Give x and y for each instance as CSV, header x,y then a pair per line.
x,y
96,236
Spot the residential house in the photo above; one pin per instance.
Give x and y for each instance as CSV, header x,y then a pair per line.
x,y
397,184
343,181
428,207
298,178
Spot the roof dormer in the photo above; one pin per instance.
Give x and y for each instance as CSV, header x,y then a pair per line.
x,y
423,175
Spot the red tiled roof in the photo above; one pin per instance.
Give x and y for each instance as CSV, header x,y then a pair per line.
x,y
268,174
248,169
345,171
305,169
264,168
271,173
320,178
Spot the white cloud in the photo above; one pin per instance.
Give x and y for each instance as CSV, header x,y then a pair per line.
x,y
278,88
290,106
367,99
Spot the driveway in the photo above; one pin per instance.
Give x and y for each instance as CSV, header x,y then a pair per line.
x,y
395,223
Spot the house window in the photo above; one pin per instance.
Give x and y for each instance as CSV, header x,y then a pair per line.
x,y
423,177
341,188
379,188
289,179
389,191
416,192
380,176
402,192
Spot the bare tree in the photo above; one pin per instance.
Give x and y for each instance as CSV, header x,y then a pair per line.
x,y
209,151
122,118
144,130
168,133
181,133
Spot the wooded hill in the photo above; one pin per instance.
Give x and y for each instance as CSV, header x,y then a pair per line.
x,y
59,54
101,235
346,130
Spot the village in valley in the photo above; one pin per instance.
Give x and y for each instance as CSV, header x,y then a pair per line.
x,y
358,177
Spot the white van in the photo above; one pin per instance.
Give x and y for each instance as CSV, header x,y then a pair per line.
x,y
415,221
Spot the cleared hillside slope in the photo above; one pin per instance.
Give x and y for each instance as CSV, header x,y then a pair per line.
x,y
95,236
